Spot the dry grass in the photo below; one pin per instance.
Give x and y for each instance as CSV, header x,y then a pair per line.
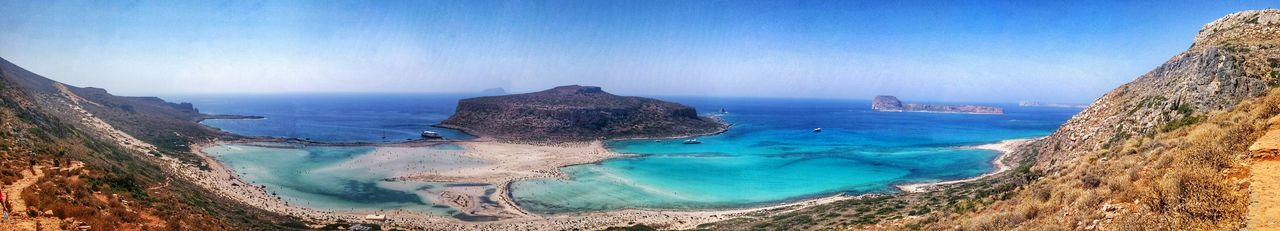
x,y
1184,179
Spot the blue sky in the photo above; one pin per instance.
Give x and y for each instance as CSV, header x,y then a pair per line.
x,y
1054,51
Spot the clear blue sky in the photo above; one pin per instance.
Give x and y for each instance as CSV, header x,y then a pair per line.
x,y
1055,51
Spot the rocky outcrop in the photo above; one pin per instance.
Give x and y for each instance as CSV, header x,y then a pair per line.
x,y
886,103
576,113
1233,58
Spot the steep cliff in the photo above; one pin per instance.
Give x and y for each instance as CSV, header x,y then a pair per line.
x,y
576,113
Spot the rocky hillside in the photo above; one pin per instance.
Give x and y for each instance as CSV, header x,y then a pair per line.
x,y
162,127
1233,58
576,113
79,157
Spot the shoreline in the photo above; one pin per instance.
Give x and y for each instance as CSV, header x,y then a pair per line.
x,y
510,163
1005,147
223,181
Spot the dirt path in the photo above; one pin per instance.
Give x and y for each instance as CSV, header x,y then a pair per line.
x,y
18,219
1264,183
13,193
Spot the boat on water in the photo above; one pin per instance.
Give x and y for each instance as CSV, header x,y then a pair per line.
x,y
431,135
692,141
722,111
817,130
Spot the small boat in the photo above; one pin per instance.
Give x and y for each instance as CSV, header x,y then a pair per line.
x,y
431,135
817,130
692,141
722,111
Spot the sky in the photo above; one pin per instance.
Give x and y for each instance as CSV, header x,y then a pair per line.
x,y
970,51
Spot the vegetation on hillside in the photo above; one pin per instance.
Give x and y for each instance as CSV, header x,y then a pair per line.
x,y
115,189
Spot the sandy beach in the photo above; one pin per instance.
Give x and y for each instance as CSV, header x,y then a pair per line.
x,y
1005,148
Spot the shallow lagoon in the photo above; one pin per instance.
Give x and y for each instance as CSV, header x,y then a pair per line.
x,y
348,178
770,155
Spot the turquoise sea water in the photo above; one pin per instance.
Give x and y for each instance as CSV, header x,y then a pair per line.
x,y
770,155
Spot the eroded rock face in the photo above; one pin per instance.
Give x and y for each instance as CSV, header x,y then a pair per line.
x,y
576,113
1234,58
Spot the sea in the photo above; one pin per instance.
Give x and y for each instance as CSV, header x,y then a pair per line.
x,y
770,155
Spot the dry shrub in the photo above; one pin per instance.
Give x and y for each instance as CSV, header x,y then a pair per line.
x,y
994,221
1177,179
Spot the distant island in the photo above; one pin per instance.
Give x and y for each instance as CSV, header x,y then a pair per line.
x,y
577,113
887,103
1039,104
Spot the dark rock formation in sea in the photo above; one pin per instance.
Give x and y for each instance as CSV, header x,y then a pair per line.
x,y
887,103
577,113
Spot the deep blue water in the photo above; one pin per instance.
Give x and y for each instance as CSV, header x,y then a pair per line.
x,y
332,117
769,155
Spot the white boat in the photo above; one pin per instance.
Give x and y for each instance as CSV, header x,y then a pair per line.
x,y
692,141
817,130
431,135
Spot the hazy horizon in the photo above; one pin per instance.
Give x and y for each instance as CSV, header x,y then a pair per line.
x,y
1058,52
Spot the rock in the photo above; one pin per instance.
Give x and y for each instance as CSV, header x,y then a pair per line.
x,y
576,113
887,103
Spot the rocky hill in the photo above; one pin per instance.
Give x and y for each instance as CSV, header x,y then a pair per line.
x,y
164,127
74,158
576,113
887,103
1233,58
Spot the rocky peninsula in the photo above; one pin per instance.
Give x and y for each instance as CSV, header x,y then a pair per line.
x,y
577,113
887,103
